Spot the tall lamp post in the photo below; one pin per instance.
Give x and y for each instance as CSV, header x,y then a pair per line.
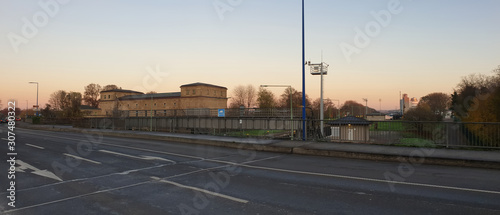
x,y
304,128
32,82
366,107
291,105
320,69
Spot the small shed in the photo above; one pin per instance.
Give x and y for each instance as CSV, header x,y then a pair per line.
x,y
350,129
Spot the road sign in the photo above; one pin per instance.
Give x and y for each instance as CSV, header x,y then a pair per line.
x,y
222,113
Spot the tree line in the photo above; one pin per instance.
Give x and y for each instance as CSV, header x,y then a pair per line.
x,y
476,98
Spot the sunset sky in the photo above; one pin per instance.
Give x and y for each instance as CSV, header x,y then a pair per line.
x,y
424,46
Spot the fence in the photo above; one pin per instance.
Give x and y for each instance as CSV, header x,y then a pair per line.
x,y
419,134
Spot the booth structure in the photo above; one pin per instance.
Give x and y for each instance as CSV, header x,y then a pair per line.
x,y
350,129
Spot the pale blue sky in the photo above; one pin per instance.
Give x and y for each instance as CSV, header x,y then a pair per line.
x,y
425,48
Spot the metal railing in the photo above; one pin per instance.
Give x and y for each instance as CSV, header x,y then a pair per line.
x,y
404,133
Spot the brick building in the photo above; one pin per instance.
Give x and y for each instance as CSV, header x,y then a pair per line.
x,y
195,96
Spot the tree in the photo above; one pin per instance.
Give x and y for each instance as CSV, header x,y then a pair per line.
x,y
151,92
243,96
296,99
422,112
329,109
265,98
74,101
110,87
353,108
238,97
437,102
58,100
250,96
91,95
47,112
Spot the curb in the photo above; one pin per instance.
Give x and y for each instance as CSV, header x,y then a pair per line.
x,y
301,150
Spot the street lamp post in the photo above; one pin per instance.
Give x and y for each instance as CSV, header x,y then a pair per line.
x,y
32,82
291,105
320,69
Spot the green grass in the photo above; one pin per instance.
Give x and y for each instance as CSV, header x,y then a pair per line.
x,y
387,126
416,142
256,133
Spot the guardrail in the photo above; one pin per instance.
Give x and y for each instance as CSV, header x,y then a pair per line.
x,y
407,133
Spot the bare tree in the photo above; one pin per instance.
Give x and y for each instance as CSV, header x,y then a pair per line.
x,y
110,87
239,96
250,95
91,95
58,100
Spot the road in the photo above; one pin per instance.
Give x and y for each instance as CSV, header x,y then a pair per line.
x,y
79,173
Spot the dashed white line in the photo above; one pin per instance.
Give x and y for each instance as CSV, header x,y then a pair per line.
x,y
137,157
80,158
35,146
202,190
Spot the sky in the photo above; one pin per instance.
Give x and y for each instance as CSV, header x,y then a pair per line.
x,y
375,48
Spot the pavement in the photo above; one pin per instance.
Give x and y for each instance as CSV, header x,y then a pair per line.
x,y
436,156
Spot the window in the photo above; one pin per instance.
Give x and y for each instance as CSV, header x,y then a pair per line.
x,y
187,92
128,105
215,93
136,113
136,105
155,105
109,96
164,104
208,92
145,105
194,92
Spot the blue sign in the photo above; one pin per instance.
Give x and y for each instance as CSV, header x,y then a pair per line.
x,y
222,113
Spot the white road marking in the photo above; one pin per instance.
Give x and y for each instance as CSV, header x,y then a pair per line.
x,y
143,157
35,146
44,173
202,190
302,172
80,158
5,139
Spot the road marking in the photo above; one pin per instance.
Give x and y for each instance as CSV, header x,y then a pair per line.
x,y
44,173
35,146
80,158
5,139
201,190
137,157
302,172
366,179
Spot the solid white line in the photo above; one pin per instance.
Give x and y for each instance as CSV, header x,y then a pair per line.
x,y
368,179
35,146
120,154
80,158
202,190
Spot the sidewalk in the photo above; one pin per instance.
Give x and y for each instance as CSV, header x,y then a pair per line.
x,y
439,156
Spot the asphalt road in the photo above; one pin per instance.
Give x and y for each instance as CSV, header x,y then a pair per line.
x,y
78,173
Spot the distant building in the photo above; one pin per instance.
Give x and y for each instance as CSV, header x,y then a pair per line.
x,y
378,117
404,103
413,102
195,96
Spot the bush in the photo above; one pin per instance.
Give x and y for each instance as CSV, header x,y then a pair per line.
x,y
36,120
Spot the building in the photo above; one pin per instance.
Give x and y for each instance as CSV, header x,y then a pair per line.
x,y
350,129
195,96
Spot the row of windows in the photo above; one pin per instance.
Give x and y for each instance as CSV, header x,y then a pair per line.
x,y
208,92
137,105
